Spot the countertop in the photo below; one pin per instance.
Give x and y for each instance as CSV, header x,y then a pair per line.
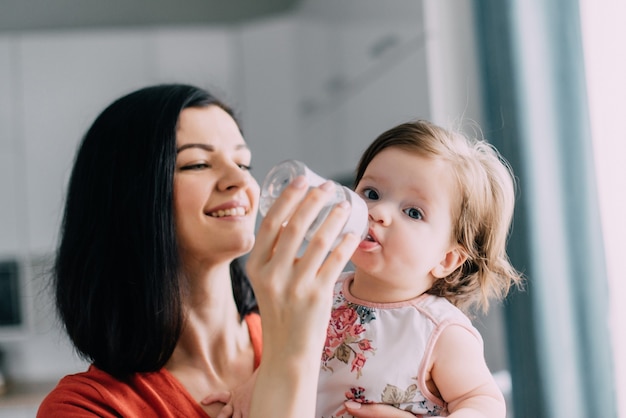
x,y
24,394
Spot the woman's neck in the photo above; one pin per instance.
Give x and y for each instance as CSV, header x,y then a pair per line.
x,y
214,351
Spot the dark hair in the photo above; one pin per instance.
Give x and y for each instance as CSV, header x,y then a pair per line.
x,y
117,270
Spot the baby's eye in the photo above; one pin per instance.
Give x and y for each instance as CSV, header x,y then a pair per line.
x,y
370,194
414,213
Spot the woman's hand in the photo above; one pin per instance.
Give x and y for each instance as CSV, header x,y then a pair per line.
x,y
237,402
295,297
295,293
359,410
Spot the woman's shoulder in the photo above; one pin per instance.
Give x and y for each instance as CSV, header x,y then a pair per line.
x,y
97,393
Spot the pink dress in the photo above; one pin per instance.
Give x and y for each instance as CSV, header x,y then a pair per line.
x,y
378,352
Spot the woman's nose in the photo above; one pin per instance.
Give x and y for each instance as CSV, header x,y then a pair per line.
x,y
233,177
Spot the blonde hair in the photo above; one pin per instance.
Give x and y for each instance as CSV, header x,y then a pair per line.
x,y
483,215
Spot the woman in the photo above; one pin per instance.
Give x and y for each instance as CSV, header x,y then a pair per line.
x,y
160,206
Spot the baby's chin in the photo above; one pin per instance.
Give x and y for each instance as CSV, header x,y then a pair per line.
x,y
359,261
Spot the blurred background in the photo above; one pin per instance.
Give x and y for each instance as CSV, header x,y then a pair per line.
x,y
318,80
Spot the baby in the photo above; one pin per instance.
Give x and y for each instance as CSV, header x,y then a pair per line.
x,y
440,207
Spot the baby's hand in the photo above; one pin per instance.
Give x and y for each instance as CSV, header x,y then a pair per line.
x,y
237,401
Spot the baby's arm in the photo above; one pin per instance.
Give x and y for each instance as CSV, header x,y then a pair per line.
x,y
461,375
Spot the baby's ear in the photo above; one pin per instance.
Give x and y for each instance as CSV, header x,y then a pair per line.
x,y
452,260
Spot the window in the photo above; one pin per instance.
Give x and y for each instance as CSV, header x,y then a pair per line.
x,y
605,66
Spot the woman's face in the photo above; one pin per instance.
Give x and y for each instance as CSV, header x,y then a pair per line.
x,y
215,196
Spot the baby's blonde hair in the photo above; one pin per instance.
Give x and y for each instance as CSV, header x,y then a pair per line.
x,y
482,218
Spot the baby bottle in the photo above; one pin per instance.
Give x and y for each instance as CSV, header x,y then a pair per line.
x,y
282,174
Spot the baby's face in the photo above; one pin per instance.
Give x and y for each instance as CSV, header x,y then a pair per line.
x,y
410,202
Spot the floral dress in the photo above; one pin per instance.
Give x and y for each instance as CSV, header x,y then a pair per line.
x,y
378,352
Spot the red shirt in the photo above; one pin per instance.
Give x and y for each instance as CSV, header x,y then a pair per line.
x,y
155,394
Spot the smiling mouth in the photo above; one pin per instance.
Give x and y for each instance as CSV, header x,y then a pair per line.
x,y
238,211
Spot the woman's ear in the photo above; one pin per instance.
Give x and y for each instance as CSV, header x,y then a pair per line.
x,y
452,260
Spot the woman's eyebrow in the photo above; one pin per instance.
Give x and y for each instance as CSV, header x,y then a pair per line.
x,y
207,147
202,146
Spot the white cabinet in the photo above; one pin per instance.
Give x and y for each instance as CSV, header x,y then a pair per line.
x,y
266,63
387,80
65,80
11,180
308,87
358,79
56,85
200,56
52,87
320,88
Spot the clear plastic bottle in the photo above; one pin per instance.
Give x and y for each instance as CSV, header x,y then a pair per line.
x,y
282,174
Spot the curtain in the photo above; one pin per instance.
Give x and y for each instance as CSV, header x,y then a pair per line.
x,y
536,114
